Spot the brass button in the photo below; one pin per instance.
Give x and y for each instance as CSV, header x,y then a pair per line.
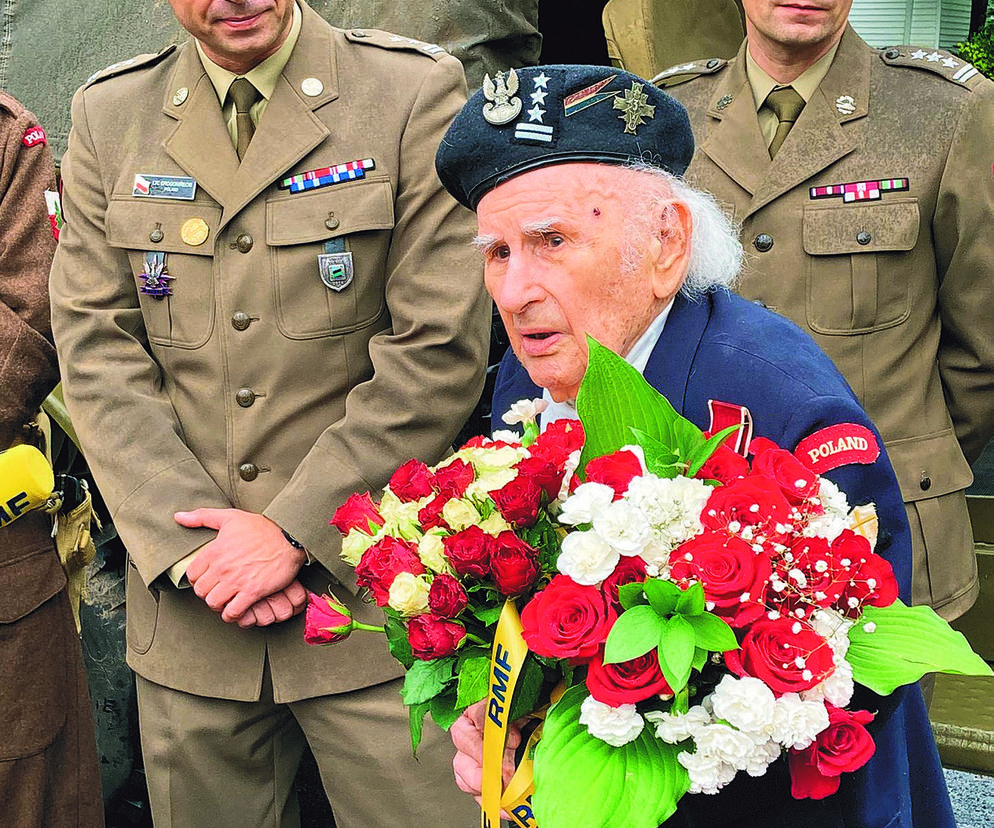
x,y
248,471
244,243
926,482
763,242
240,320
156,235
245,397
332,223
863,237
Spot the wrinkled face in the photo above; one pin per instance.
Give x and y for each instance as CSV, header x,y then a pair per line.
x,y
236,34
553,241
801,24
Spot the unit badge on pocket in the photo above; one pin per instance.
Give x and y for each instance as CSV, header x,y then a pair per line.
x,y
336,270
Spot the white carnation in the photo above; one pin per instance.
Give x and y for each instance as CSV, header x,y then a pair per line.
x,y
615,725
524,411
588,500
623,526
409,594
673,728
837,689
505,436
672,507
834,627
746,703
836,515
796,722
587,558
708,774
764,754
724,742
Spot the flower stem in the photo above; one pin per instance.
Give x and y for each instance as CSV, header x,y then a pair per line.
x,y
358,625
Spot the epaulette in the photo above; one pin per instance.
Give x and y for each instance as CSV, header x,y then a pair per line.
x,y
683,72
386,40
939,61
122,66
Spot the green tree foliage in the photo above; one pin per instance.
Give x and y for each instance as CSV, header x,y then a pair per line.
x,y
979,48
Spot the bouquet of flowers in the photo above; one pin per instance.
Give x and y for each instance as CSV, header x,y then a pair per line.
x,y
703,616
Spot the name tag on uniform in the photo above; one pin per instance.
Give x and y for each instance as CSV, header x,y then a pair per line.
x,y
164,186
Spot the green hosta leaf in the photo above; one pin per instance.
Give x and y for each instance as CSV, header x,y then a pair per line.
x,y
416,722
700,658
660,458
582,782
905,644
634,633
631,595
663,595
691,600
712,633
426,679
699,456
676,651
473,675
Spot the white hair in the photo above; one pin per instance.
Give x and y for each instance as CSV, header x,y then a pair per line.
x,y
716,254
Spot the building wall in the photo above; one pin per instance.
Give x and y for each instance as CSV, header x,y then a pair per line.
x,y
933,23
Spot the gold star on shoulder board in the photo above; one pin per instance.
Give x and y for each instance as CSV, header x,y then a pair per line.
x,y
634,108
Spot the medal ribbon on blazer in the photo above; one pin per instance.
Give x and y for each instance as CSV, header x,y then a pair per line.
x,y
506,661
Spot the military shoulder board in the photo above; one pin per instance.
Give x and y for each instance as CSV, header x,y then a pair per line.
x,y
129,65
386,40
683,72
939,61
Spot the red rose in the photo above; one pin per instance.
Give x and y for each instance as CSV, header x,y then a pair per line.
x,y
357,513
724,466
544,472
559,440
469,551
411,482
326,620
432,637
630,569
513,564
430,515
797,482
567,620
870,579
452,479
381,563
519,501
615,470
846,745
733,574
811,574
785,653
446,597
748,501
627,682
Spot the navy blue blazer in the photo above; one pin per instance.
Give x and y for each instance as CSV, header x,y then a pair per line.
x,y
725,348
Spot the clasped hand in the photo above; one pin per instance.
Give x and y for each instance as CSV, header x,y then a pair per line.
x,y
248,573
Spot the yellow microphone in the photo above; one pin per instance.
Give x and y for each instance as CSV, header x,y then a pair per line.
x,y
26,482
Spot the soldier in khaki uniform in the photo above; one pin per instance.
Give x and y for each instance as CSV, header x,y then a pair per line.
x,y
262,306
871,228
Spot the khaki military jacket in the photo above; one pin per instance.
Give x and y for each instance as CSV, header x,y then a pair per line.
x,y
895,279
255,384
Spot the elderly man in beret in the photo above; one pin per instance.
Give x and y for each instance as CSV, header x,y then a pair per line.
x,y
586,227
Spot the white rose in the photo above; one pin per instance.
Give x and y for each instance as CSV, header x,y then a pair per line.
x,y
615,725
746,703
623,526
524,411
353,545
495,524
398,516
460,513
409,594
587,558
588,500
797,722
431,550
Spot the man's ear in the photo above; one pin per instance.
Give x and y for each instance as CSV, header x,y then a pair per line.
x,y
670,249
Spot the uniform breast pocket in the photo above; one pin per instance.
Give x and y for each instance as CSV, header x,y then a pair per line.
x,y
170,246
854,252
329,255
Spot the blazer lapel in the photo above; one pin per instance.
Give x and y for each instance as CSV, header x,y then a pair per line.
x,y
200,143
820,137
671,361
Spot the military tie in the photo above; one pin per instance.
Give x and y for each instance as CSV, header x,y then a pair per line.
x,y
244,94
786,104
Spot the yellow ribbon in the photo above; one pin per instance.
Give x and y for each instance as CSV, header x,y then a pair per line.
x,y
506,661
26,482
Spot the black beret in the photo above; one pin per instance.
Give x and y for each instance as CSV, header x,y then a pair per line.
x,y
540,115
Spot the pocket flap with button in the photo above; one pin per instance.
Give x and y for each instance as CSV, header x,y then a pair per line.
x,y
929,466
860,228
134,224
337,210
